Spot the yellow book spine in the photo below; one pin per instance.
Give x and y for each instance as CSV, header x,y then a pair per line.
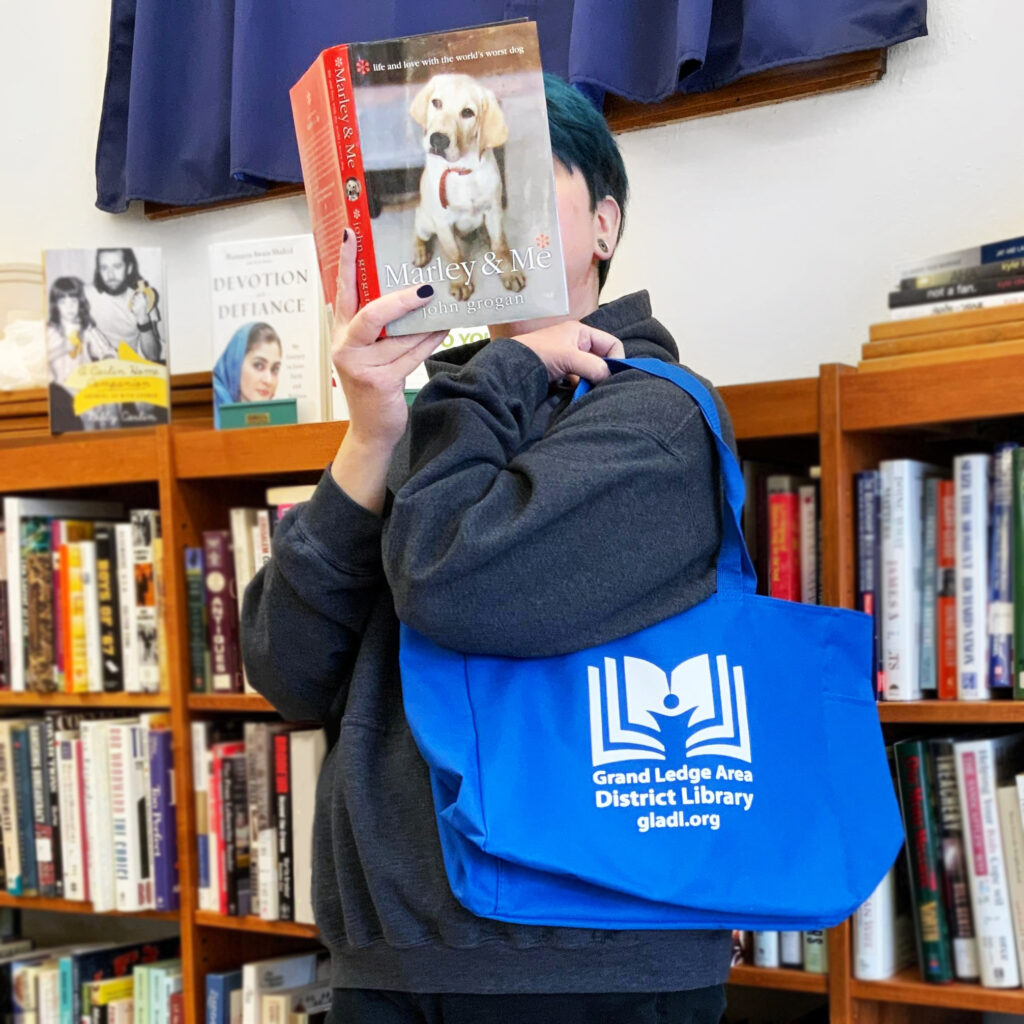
x,y
78,661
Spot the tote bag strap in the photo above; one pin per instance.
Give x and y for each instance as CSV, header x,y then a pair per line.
x,y
735,569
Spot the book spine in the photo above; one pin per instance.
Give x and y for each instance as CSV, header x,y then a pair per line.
x,y
956,291
283,810
955,886
228,767
145,529
198,647
816,952
23,803
37,567
945,592
933,946
42,825
125,832
200,746
971,478
784,543
218,880
807,543
77,663
110,612
1012,834
126,606
143,808
975,772
766,949
165,838
262,539
91,604
874,933
222,613
15,635
1017,545
254,734
50,751
1000,569
160,594
95,761
5,619
83,830
927,659
867,489
71,841
963,275
956,306
9,814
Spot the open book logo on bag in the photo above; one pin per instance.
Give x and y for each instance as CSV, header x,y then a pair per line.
x,y
624,712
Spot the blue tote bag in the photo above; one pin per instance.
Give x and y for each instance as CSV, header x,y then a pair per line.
x,y
722,768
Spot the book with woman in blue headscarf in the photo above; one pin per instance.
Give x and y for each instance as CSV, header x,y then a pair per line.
x,y
268,325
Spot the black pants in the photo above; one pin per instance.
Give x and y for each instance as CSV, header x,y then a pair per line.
x,y
360,1006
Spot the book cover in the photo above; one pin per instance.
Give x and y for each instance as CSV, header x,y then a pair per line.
x,y
990,252
816,952
269,975
220,985
109,607
955,887
37,620
145,530
266,324
945,592
198,644
927,658
784,536
51,719
100,863
126,606
1000,570
957,290
23,804
934,951
971,476
283,816
106,338
434,150
809,543
165,819
41,815
9,811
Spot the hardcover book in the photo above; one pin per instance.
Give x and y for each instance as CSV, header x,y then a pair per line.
x,y
106,338
434,151
268,341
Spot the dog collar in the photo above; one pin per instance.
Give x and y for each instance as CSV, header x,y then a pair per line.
x,y
443,189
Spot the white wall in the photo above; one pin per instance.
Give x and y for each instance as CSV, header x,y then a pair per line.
x,y
767,237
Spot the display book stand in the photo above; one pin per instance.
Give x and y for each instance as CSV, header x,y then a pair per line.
x,y
843,420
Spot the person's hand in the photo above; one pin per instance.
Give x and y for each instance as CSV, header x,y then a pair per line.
x,y
372,370
138,305
570,350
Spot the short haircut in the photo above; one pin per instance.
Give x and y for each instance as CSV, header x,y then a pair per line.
x,y
581,140
131,268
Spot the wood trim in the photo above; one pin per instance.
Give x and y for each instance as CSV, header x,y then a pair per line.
x,y
907,987
237,703
784,408
952,712
778,978
776,85
128,701
207,919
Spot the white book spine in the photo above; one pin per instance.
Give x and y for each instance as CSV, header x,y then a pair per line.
x,y
146,527
874,932
791,948
49,996
1013,852
124,816
126,606
9,813
955,306
70,818
268,975
91,601
92,782
986,869
243,523
766,949
901,484
263,546
306,754
970,475
16,639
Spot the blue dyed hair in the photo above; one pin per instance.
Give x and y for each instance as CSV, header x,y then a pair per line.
x,y
581,141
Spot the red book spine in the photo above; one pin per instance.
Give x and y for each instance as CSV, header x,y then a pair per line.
x,y
177,1008
56,539
945,617
217,829
784,546
283,808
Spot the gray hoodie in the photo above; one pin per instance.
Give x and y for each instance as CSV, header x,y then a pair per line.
x,y
516,524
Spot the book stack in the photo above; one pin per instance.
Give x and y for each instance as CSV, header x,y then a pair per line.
x,y
961,800
255,787
937,554
806,951
87,809
286,990
98,983
781,525
80,598
216,576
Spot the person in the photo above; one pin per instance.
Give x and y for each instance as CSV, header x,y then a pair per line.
x,y
126,309
494,516
249,368
73,341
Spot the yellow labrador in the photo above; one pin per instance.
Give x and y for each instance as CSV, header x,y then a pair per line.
x,y
460,188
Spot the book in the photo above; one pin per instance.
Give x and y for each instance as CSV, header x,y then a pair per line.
x,y
955,886
434,151
868,562
816,952
883,929
129,622
970,473
784,555
277,1007
224,997
198,644
307,749
1012,831
268,342
945,592
951,306
982,766
9,811
164,819
791,949
222,612
91,616
106,337
109,607
283,818
96,765
23,808
128,758
978,272
287,972
37,611
766,949
1000,570
934,951
809,543
956,290
928,655
145,531
990,252
41,812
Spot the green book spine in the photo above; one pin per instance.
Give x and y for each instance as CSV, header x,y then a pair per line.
x,y
1017,546
816,952
934,947
199,653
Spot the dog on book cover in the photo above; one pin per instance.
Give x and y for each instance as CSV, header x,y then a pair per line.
x,y
492,490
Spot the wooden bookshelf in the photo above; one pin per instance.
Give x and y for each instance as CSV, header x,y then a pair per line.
x,y
845,420
78,907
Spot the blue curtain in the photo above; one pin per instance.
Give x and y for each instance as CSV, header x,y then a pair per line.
x,y
196,102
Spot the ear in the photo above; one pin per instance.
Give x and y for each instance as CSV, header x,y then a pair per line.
x,y
607,219
418,109
493,128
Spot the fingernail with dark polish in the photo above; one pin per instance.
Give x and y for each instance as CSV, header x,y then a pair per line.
x,y
425,291
344,235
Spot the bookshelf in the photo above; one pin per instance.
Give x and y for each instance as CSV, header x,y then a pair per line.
x,y
842,419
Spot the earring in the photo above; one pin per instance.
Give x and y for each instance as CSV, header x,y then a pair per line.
x,y
602,245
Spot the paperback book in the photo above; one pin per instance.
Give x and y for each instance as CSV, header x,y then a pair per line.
x,y
106,339
434,151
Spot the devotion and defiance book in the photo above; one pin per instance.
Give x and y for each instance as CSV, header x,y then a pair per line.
x,y
434,151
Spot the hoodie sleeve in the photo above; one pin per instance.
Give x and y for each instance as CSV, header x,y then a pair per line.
x,y
607,524
305,611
